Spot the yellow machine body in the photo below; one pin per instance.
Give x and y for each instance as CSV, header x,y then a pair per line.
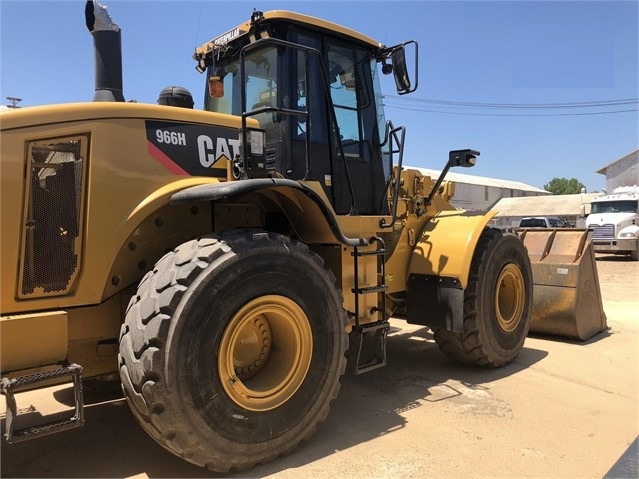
x,y
235,259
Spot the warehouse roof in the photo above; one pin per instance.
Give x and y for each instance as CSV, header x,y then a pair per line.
x,y
481,180
554,205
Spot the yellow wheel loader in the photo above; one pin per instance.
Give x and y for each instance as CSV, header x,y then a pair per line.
x,y
229,264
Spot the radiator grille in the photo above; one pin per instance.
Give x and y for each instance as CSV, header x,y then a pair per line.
x,y
53,216
603,232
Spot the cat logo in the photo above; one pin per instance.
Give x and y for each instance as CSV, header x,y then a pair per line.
x,y
211,151
192,149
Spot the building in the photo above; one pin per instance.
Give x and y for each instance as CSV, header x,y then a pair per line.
x,y
571,209
622,172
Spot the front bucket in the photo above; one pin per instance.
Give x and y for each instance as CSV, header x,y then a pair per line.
x,y
566,294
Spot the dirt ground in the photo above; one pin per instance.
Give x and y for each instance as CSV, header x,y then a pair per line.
x,y
561,409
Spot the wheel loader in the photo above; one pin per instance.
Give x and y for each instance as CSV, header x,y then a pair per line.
x,y
230,265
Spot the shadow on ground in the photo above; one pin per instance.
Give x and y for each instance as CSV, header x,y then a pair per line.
x,y
112,444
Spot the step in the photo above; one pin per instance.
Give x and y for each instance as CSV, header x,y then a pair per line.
x,y
9,387
370,343
380,288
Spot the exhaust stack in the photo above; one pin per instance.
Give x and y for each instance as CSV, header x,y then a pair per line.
x,y
107,46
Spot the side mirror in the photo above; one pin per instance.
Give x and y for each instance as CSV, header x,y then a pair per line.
x,y
399,66
400,72
463,158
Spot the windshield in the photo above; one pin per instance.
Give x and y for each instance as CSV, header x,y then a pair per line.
x,y
261,82
532,223
619,206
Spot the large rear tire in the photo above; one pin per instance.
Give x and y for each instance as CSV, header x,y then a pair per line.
x,y
233,349
497,303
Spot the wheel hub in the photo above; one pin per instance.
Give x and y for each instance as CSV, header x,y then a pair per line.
x,y
265,353
509,298
253,348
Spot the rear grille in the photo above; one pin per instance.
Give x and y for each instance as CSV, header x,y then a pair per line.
x,y
603,232
52,220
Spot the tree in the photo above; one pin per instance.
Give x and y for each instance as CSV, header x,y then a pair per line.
x,y
564,186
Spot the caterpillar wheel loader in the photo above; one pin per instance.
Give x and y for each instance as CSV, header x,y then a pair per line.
x,y
229,264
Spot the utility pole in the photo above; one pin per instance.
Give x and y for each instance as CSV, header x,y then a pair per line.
x,y
14,101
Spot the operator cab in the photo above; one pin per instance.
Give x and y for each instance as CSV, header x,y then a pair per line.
x,y
314,88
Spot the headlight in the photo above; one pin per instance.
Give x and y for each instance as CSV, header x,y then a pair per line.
x,y
628,234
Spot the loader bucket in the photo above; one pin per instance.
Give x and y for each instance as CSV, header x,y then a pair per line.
x,y
566,295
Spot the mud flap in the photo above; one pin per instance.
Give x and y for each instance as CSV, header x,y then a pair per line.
x,y
566,294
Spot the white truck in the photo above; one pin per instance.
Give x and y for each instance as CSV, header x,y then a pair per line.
x,y
614,219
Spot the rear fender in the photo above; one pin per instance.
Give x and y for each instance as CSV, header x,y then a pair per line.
x,y
309,214
439,267
151,229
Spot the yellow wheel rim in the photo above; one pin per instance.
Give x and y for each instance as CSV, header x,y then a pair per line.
x,y
265,353
509,297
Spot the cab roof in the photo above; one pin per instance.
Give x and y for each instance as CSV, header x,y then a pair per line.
x,y
292,17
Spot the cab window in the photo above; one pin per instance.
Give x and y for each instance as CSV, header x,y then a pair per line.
x,y
343,83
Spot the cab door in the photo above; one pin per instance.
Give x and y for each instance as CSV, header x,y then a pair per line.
x,y
351,90
339,99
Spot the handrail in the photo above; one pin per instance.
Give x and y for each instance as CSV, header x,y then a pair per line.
x,y
389,136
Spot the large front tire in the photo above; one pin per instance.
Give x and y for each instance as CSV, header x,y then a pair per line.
x,y
497,303
233,349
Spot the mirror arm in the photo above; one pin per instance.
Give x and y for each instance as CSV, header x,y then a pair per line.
x,y
437,184
463,158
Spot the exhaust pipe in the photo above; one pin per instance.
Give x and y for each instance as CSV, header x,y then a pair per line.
x,y
107,46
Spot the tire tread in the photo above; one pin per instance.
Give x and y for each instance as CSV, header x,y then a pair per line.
x,y
467,346
149,316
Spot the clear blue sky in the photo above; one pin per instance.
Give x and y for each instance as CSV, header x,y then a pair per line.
x,y
500,68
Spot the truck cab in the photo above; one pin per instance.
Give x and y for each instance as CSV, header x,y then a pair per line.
x,y
614,220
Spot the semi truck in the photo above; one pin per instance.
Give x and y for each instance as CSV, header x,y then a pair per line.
x,y
614,219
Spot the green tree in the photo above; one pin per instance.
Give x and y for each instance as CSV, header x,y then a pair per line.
x,y
564,186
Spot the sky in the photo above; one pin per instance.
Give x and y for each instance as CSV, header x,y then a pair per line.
x,y
543,89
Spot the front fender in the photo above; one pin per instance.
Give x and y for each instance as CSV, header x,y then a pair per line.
x,y
447,243
439,267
